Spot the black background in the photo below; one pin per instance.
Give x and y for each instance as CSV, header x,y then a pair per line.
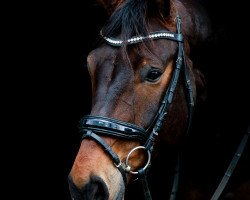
x,y
48,89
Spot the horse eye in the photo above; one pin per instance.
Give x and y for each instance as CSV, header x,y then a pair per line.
x,y
153,75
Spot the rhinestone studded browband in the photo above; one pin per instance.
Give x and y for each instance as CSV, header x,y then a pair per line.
x,y
137,39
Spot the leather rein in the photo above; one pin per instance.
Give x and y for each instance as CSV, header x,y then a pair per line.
x,y
93,126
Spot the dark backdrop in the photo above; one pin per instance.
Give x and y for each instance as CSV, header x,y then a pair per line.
x,y
51,89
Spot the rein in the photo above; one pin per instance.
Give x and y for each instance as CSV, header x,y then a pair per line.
x,y
231,166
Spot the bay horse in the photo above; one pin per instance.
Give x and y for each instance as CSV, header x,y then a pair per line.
x,y
144,90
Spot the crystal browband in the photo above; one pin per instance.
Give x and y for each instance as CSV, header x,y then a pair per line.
x,y
137,39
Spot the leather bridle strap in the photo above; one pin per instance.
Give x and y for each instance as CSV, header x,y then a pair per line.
x,y
143,179
189,94
167,100
108,150
163,110
112,127
231,166
176,180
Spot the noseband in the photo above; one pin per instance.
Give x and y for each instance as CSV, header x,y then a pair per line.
x,y
93,126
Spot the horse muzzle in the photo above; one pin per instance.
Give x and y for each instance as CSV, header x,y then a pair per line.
x,y
94,189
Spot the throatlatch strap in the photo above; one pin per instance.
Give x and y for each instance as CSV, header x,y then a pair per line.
x,y
189,93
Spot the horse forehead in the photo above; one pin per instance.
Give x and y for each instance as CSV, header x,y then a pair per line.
x,y
115,54
163,48
102,53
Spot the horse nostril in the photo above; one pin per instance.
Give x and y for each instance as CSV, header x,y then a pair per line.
x,y
75,192
95,189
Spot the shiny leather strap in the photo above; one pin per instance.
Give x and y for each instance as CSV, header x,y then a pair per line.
x,y
157,124
108,150
143,179
189,94
112,127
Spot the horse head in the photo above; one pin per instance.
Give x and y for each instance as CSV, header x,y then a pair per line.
x,y
144,88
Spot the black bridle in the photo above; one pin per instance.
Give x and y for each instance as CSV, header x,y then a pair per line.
x,y
93,126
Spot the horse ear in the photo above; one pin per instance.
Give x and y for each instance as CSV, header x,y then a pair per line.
x,y
109,5
196,25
